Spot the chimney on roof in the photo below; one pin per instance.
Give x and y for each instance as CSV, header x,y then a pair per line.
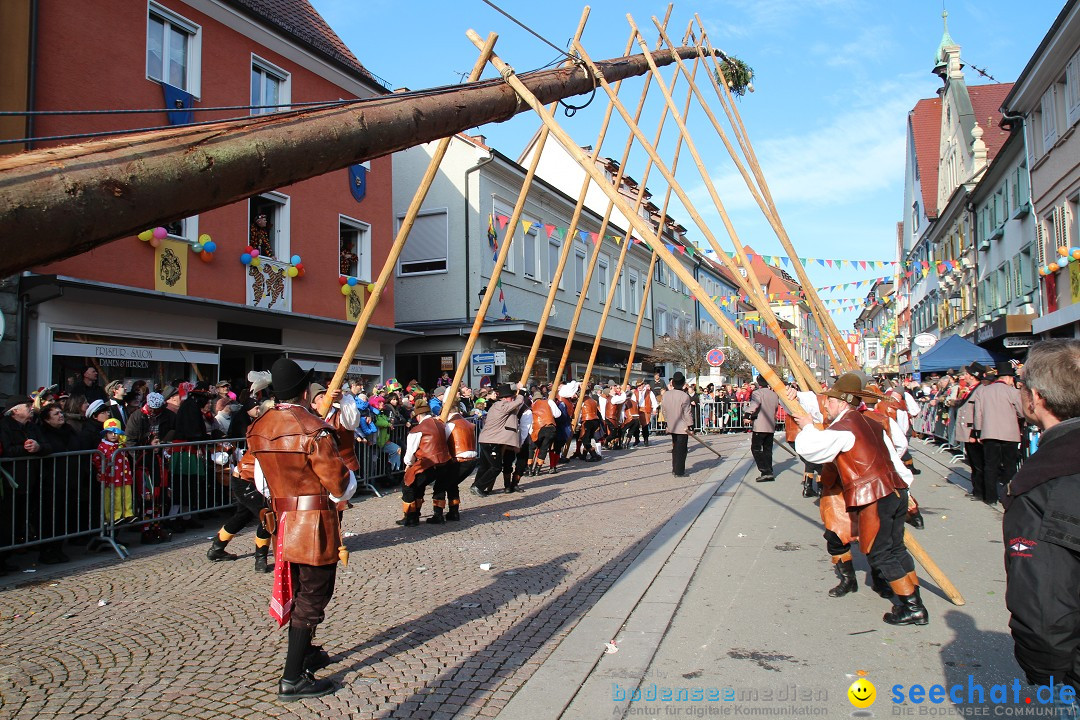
x,y
482,139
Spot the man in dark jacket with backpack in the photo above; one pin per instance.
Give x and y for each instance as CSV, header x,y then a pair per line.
x,y
1041,527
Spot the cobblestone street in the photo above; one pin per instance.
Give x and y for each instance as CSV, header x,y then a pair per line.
x,y
416,628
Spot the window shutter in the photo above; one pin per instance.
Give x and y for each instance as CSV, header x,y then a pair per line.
x,y
1040,244
1066,225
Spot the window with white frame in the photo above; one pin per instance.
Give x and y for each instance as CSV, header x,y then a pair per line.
x,y
661,324
529,242
1072,90
271,87
602,277
354,243
425,251
502,235
620,300
173,49
579,269
632,283
659,274
1048,119
268,228
186,229
554,252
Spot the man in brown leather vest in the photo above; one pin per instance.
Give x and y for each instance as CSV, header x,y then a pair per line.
x,y
589,425
463,460
646,402
871,487
544,412
298,467
425,452
343,418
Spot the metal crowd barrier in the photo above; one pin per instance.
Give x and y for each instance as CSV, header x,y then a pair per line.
x,y
52,498
48,499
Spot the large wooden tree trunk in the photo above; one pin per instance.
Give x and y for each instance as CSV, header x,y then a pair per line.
x,y
60,202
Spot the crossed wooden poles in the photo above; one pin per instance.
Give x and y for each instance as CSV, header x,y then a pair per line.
x,y
650,235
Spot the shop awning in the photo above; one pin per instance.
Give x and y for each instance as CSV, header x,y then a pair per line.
x,y
954,352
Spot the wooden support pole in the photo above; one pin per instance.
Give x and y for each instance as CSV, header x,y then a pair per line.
x,y
568,241
744,285
593,260
450,397
627,242
768,207
661,224
646,287
642,228
387,272
752,284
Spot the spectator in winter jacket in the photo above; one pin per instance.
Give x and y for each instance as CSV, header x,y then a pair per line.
x,y
20,439
152,424
1041,528
90,433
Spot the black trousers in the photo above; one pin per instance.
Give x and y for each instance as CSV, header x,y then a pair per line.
x,y
545,439
249,501
1001,459
450,477
678,453
977,462
415,492
761,444
494,460
889,555
834,545
588,432
313,586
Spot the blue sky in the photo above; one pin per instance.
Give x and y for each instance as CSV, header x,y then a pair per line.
x,y
834,82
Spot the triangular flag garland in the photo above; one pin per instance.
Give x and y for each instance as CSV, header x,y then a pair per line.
x,y
493,242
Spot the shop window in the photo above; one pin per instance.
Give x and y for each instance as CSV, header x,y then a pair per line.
x,y
271,87
268,230
425,250
173,49
354,242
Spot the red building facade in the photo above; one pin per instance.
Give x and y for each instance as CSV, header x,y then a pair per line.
x,y
177,311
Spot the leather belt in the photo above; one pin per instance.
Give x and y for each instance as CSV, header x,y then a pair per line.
x,y
304,502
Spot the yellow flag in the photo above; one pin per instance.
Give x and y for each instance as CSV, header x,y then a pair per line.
x,y
526,226
354,303
170,267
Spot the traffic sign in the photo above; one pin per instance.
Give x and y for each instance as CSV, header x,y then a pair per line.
x,y
500,358
487,358
484,369
715,357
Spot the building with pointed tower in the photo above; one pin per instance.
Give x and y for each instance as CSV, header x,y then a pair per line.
x,y
951,140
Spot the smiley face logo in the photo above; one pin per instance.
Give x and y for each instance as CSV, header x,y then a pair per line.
x,y
862,693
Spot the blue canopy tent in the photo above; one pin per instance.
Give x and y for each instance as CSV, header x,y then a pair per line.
x,y
954,352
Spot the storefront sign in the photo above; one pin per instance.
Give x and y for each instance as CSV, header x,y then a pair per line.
x,y
446,362
1018,342
130,353
924,341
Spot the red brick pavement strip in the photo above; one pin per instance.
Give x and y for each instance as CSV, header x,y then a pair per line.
x,y
416,629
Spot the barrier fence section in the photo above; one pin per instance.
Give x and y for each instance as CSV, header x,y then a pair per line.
x,y
45,500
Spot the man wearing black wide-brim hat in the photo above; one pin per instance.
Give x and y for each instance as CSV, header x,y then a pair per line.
x,y
298,466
